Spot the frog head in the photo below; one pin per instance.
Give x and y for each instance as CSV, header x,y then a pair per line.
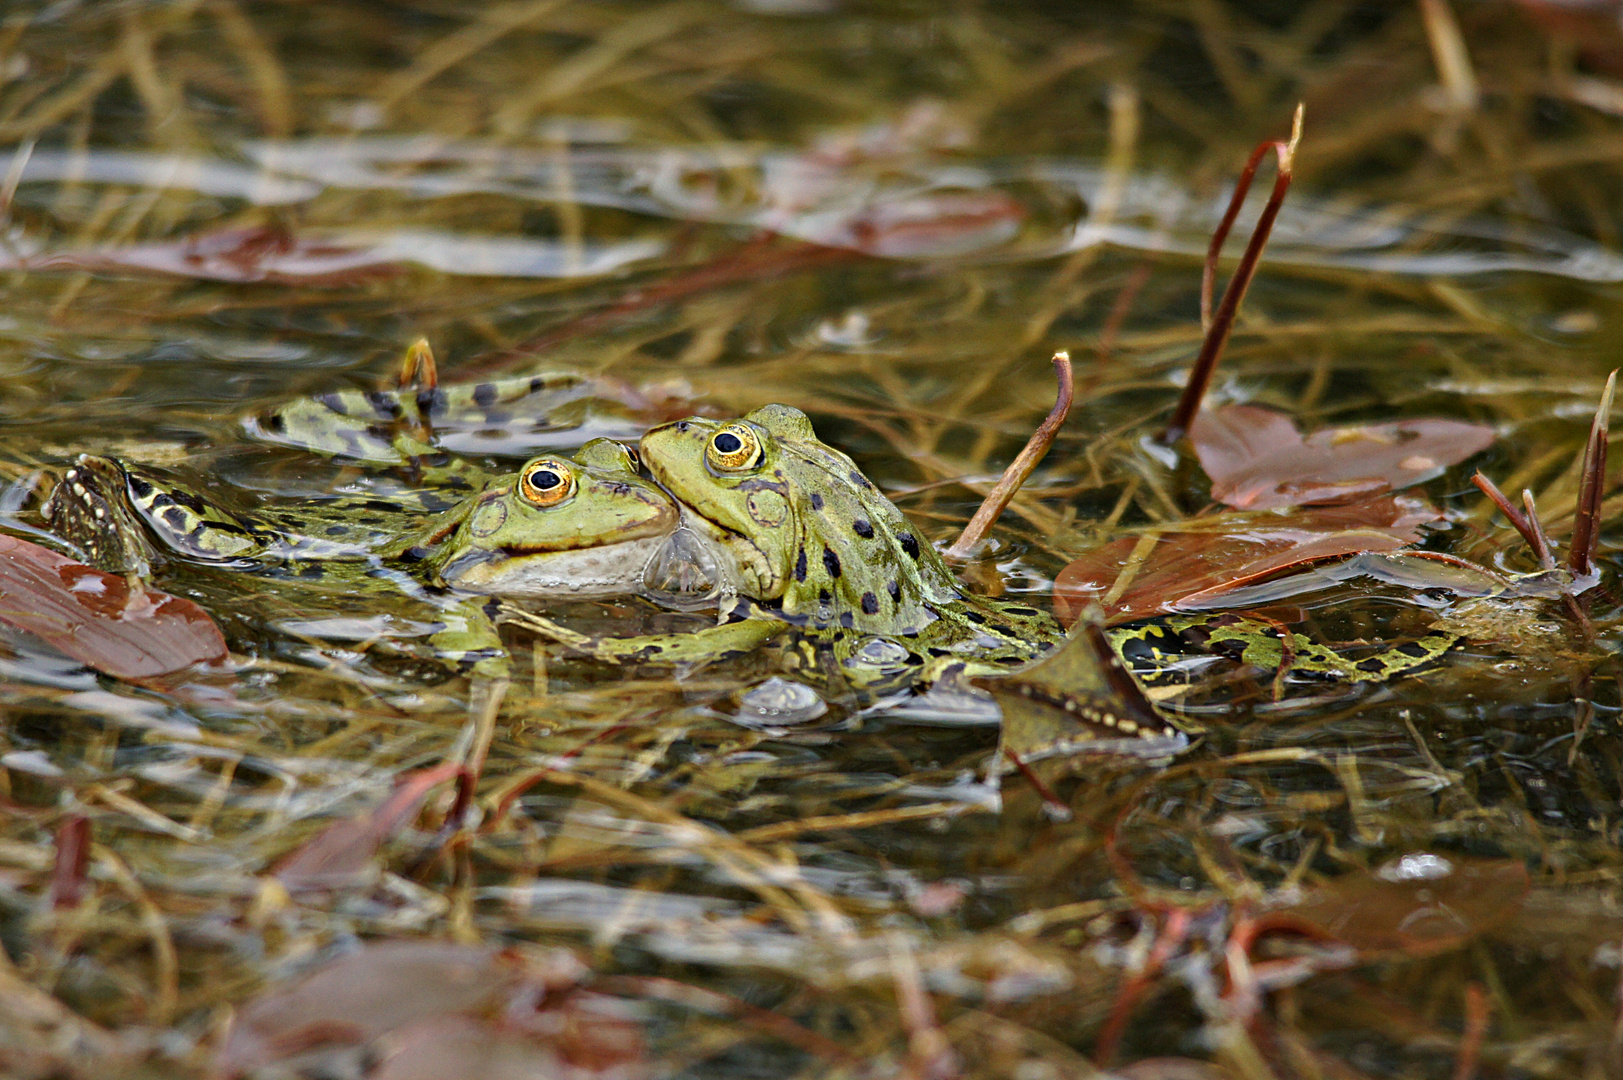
x,y
559,527
806,531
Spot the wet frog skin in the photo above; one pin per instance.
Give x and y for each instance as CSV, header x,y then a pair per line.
x,y
415,426
809,538
558,527
817,550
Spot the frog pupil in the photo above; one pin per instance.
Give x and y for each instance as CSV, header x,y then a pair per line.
x,y
728,443
546,480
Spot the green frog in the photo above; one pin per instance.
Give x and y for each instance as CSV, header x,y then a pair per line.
x,y
813,543
820,556
559,527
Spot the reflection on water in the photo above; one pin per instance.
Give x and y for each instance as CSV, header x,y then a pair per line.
x,y
905,201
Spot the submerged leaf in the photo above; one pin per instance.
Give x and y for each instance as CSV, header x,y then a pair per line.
x,y
341,855
98,618
1166,1068
345,257
1258,460
1416,905
392,986
1185,567
580,1039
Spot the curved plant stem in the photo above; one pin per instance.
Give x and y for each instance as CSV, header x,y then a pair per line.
x,y
1528,524
1218,325
1020,468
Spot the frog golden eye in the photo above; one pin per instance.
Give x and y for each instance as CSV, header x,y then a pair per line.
x,y
546,482
734,447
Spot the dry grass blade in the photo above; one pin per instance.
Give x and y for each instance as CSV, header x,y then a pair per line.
x,y
1452,57
763,1020
929,1055
1020,468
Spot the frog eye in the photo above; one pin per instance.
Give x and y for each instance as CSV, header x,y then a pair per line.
x,y
734,447
546,482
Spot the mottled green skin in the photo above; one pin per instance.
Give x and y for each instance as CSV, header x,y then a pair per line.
x,y
415,424
818,550
816,545
595,542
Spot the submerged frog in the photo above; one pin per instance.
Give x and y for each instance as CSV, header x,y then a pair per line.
x,y
558,527
820,555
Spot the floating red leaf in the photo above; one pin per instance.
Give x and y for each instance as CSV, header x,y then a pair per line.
x,y
1186,567
98,618
236,255
1258,460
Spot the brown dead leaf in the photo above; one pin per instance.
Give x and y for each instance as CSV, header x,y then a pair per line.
x,y
1258,460
1183,567
98,618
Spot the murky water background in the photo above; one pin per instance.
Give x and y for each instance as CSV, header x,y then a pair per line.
x,y
888,215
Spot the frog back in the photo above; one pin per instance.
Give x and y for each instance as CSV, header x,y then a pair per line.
x,y
812,537
857,560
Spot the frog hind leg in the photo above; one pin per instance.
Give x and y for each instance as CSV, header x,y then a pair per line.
x,y
115,510
1388,663
1259,642
399,426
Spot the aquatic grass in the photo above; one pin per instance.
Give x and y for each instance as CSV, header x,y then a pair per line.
x,y
855,881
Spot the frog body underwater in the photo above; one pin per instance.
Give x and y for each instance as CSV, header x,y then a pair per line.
x,y
558,527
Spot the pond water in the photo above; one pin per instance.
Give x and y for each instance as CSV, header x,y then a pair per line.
x,y
888,215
